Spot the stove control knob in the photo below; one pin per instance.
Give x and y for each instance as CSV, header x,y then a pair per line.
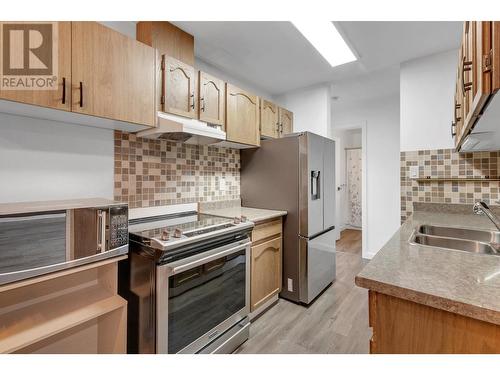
x,y
177,233
237,220
165,236
243,219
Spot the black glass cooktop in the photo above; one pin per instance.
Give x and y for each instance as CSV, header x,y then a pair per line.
x,y
190,225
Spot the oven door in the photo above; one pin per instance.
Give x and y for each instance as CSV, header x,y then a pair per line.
x,y
201,297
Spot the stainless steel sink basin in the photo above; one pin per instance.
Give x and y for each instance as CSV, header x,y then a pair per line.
x,y
463,239
466,234
456,244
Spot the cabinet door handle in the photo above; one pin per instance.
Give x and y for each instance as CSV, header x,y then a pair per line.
x,y
192,105
466,66
64,90
81,94
281,128
203,106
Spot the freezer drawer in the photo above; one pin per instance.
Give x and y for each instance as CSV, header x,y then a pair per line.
x,y
318,269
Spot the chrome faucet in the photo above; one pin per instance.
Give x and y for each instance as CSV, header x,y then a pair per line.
x,y
481,208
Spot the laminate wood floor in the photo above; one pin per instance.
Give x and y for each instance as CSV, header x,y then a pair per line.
x,y
350,241
336,322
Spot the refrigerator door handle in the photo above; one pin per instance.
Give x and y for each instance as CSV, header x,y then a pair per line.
x,y
315,185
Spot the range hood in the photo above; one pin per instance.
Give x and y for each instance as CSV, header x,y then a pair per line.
x,y
181,129
485,135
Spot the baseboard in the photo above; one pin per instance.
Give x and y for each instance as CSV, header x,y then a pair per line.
x,y
262,309
347,226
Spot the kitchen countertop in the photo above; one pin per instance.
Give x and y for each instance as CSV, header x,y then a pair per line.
x,y
460,282
53,205
252,214
233,209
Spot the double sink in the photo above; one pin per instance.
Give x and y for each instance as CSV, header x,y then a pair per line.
x,y
463,239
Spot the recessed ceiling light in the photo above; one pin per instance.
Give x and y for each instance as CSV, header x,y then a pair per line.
x,y
325,37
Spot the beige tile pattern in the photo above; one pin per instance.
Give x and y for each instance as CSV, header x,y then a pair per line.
x,y
448,163
159,172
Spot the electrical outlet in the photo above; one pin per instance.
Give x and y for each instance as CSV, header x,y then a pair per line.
x,y
222,184
290,285
414,171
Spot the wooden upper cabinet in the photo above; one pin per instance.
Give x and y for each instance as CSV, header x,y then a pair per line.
x,y
265,272
495,56
212,99
478,74
59,98
286,122
169,40
113,76
242,116
179,88
269,122
474,72
476,68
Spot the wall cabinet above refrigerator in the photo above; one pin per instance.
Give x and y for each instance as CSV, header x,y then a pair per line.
x,y
275,122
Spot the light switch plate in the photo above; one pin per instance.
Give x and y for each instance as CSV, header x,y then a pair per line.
x,y
414,171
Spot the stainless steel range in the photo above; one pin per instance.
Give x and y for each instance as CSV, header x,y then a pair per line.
x,y
187,284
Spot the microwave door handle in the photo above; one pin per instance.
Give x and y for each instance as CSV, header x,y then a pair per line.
x,y
101,231
198,262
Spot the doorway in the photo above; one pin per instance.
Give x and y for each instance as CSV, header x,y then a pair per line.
x,y
351,172
354,182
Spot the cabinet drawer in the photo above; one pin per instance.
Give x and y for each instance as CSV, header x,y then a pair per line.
x,y
266,229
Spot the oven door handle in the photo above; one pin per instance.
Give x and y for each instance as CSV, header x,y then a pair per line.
x,y
198,262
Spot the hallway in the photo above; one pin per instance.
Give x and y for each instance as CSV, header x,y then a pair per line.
x,y
350,241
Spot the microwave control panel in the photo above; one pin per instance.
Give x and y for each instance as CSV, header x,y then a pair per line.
x,y
118,226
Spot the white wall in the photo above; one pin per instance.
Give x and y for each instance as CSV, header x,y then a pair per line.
x,y
380,116
427,88
43,160
311,109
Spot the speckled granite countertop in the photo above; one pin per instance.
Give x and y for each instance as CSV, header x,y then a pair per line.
x,y
233,209
456,281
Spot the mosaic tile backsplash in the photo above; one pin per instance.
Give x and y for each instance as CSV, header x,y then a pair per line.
x,y
448,164
160,172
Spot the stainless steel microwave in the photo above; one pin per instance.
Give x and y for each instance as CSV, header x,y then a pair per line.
x,y
50,237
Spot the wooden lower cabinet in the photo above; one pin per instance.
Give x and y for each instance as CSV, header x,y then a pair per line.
x,y
265,263
404,327
73,311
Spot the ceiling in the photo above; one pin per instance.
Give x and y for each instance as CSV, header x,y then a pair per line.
x,y
275,57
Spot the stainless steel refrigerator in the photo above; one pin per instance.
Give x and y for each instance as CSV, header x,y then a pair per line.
x,y
297,174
